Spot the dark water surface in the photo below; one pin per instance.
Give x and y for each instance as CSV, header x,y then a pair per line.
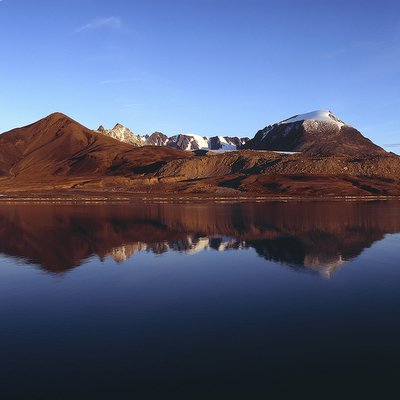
x,y
200,301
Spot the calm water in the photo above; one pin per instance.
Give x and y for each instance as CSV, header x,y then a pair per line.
x,y
200,301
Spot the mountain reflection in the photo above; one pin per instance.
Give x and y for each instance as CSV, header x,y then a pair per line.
x,y
318,237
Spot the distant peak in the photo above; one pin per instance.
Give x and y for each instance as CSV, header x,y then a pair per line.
x,y
318,115
119,126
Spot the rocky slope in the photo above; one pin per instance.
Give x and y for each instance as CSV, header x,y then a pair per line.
x,y
122,134
156,139
287,174
318,132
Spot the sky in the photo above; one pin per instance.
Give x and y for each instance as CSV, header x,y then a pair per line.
x,y
210,67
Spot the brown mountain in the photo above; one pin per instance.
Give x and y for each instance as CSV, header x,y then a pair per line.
x,y
318,132
58,155
58,149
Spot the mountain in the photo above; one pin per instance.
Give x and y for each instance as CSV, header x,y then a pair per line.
x,y
188,142
318,132
57,156
156,139
57,148
122,134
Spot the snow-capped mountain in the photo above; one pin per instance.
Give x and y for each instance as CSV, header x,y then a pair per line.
x,y
319,132
122,134
187,142
196,142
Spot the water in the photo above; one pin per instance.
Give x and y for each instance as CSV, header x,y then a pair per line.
x,y
195,301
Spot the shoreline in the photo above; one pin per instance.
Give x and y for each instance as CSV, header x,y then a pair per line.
x,y
197,198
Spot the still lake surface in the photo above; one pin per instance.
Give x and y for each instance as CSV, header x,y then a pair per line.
x,y
264,300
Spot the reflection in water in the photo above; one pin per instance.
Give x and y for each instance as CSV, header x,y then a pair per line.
x,y
312,236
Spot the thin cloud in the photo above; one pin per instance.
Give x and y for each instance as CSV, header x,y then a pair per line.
x,y
113,81
109,22
392,145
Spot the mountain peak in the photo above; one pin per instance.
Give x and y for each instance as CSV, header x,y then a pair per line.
x,y
119,126
55,116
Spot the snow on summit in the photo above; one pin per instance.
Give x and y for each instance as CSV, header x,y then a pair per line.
x,y
318,115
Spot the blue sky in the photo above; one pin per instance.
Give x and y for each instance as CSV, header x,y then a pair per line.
x,y
201,66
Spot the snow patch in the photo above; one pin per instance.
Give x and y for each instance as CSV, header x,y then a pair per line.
x,y
318,115
225,145
201,141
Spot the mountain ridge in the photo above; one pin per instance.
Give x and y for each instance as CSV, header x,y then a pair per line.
x,y
183,141
318,132
59,155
